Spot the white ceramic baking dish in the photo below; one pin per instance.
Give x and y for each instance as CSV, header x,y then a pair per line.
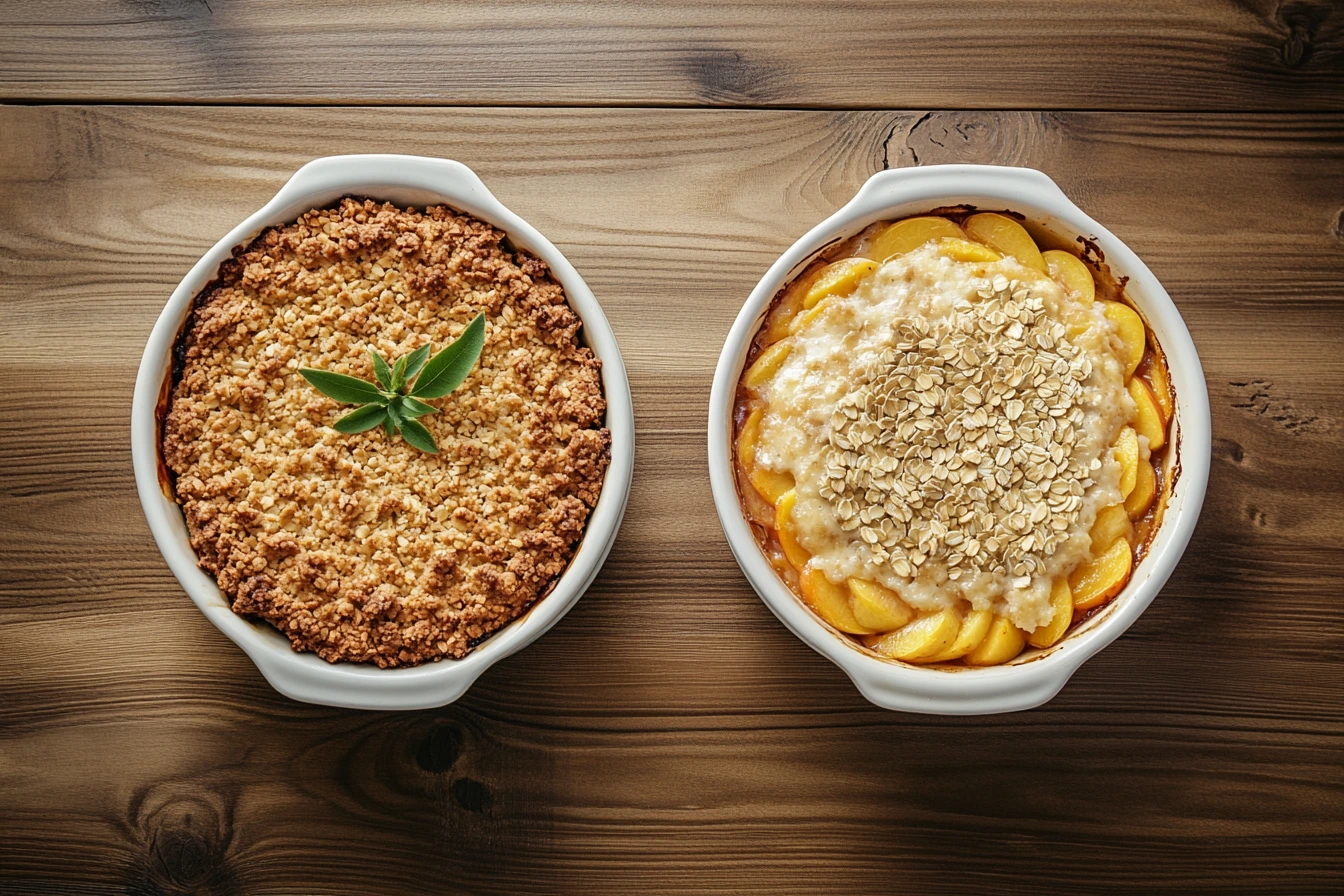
x,y
1037,675
405,180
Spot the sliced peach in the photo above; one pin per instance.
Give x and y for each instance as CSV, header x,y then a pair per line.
x,y
1061,601
1160,383
770,484
1112,523
839,278
829,600
1129,326
747,437
758,509
1127,453
1068,271
1149,420
870,641
1002,642
925,637
1098,580
1145,488
964,250
779,322
767,363
877,607
809,315
1007,236
974,627
908,235
776,325
788,535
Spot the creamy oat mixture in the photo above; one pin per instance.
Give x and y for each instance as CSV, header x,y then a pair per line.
x,y
361,547
950,427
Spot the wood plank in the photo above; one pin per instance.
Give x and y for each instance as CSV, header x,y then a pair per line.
x,y
1128,54
669,734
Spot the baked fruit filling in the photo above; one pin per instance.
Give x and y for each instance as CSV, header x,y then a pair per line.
x,y
949,441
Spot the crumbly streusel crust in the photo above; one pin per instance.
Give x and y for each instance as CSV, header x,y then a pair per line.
x,y
362,548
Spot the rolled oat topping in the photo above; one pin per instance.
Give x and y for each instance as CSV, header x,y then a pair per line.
x,y
361,547
948,428
969,421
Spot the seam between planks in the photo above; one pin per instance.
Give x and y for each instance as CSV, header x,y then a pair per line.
x,y
668,106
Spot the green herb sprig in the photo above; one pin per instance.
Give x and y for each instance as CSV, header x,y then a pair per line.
x,y
395,401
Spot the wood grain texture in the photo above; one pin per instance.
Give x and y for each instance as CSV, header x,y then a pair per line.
x,y
669,736
1025,54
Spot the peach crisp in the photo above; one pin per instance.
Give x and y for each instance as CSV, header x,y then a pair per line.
x,y
356,545
949,441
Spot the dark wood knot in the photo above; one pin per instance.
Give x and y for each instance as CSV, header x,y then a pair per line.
x,y
185,842
439,750
1302,21
723,75
472,795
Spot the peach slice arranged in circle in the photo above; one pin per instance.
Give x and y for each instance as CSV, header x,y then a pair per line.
x,y
788,537
1127,453
925,637
830,601
878,608
1148,423
1129,326
908,235
965,250
766,365
1069,271
838,278
1007,236
1003,642
1097,580
1145,488
1112,524
975,626
1061,601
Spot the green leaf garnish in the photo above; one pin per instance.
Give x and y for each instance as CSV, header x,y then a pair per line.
x,y
360,420
341,387
415,360
381,370
392,416
445,371
392,402
415,433
409,408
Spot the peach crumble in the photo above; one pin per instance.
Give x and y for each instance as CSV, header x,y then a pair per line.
x,y
946,438
361,547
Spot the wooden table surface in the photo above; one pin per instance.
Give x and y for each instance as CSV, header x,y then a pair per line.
x,y
669,735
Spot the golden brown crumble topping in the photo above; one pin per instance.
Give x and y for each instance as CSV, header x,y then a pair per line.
x,y
360,547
